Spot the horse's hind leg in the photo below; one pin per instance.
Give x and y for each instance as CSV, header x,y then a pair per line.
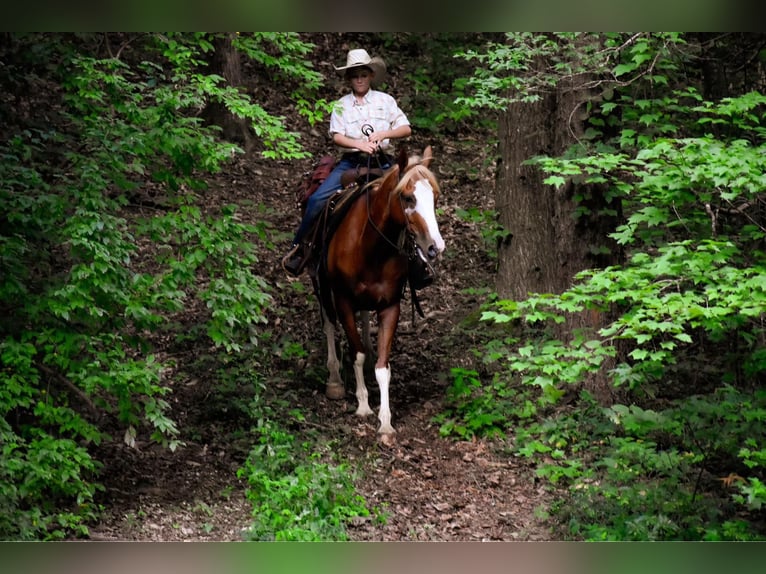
x,y
362,396
369,357
348,319
335,389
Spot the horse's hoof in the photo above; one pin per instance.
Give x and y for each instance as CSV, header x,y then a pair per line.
x,y
362,412
387,439
335,392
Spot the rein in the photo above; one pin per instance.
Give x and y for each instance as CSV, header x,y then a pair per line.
x,y
367,129
406,244
399,246
406,241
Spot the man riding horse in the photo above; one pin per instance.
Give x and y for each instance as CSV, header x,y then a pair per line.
x,y
362,125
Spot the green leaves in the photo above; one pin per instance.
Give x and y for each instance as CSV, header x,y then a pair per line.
x,y
677,325
527,65
82,301
296,495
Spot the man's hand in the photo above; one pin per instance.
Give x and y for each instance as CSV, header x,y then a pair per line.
x,y
368,147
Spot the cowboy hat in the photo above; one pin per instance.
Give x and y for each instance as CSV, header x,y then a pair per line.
x,y
358,58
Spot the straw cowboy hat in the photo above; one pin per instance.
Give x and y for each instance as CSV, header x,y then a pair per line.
x,y
358,58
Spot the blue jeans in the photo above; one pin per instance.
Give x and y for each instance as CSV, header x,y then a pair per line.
x,y
329,186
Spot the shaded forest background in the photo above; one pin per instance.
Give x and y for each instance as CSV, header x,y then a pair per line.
x,y
591,361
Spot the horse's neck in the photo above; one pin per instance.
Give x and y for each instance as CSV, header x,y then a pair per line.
x,y
386,215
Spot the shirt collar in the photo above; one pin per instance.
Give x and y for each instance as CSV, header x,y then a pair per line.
x,y
366,97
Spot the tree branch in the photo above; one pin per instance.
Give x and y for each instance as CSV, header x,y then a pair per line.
x,y
56,376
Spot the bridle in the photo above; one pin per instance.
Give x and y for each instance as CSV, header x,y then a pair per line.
x,y
405,233
406,241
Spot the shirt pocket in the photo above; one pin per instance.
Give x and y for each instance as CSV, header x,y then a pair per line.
x,y
379,118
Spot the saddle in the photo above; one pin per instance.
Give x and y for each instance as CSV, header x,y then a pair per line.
x,y
354,181
328,221
360,176
310,181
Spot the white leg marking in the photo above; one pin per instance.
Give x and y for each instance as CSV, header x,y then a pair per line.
x,y
361,390
383,376
333,364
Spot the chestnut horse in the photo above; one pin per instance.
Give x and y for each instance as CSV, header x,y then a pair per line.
x,y
366,270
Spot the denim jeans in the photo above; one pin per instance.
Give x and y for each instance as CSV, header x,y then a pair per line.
x,y
332,184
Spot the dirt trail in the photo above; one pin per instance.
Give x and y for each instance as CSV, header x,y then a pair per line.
x,y
429,487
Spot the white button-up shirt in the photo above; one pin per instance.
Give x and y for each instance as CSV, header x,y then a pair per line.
x,y
378,110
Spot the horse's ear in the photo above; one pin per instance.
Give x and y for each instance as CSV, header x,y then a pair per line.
x,y
401,160
428,157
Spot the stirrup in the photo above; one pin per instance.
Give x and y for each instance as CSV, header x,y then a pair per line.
x,y
295,260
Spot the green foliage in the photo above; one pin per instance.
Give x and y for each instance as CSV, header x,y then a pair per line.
x,y
436,81
82,303
695,274
474,410
298,490
678,328
284,54
640,472
503,67
296,496
492,232
526,65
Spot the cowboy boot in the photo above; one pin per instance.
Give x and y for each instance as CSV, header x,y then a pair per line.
x,y
296,259
421,274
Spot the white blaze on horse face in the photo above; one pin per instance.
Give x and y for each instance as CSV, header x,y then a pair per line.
x,y
424,206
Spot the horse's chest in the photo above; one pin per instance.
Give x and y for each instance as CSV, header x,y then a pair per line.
x,y
375,295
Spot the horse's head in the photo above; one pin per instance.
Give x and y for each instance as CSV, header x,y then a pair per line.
x,y
418,192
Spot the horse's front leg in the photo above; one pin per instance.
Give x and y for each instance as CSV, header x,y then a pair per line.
x,y
388,319
348,319
369,356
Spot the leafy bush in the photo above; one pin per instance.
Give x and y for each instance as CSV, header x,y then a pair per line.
x,y
82,302
492,232
646,474
475,408
436,82
295,495
680,324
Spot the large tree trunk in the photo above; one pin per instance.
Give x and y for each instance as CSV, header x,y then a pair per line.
x,y
526,207
549,245
226,62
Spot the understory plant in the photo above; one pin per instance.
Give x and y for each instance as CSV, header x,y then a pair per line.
x,y
297,489
105,238
680,337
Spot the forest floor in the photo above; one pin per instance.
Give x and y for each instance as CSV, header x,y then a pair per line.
x,y
426,486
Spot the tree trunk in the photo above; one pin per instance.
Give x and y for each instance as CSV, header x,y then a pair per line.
x,y
548,244
525,206
226,63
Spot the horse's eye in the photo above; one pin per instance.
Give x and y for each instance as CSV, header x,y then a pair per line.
x,y
408,199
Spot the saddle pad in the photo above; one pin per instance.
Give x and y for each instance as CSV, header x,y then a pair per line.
x,y
337,207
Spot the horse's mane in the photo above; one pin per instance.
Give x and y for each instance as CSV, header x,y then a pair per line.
x,y
414,172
